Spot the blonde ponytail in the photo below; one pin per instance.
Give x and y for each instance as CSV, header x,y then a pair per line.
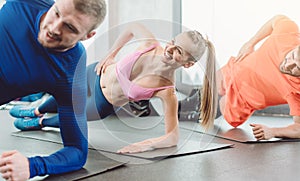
x,y
208,93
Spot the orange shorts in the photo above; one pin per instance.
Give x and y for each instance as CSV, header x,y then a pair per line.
x,y
236,111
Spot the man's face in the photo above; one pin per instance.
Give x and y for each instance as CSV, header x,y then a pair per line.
x,y
63,26
291,64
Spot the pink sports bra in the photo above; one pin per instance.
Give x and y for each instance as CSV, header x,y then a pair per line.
x,y
133,91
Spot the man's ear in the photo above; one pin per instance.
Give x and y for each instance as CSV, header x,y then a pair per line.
x,y
88,36
188,64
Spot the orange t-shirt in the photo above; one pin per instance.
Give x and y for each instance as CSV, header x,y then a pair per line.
x,y
256,82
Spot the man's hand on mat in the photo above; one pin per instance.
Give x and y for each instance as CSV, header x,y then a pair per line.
x,y
137,147
261,132
14,166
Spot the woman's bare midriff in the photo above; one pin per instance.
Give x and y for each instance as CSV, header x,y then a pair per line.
x,y
111,88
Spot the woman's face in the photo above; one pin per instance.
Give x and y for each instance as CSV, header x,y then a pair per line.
x,y
291,64
177,52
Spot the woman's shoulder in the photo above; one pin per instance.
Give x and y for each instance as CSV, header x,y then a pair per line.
x,y
149,44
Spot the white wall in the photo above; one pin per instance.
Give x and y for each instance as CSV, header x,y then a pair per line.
x,y
230,23
123,11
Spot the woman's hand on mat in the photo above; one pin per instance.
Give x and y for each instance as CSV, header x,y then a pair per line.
x,y
138,147
14,166
168,140
102,65
262,132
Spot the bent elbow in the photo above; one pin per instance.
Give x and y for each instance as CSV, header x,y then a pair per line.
x,y
83,156
83,159
80,158
175,137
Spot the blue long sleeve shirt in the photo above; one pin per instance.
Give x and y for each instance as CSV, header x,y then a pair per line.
x,y
27,67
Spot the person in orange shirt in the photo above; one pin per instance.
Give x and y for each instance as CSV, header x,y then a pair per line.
x,y
267,76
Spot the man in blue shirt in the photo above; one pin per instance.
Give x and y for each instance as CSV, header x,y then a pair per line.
x,y
40,52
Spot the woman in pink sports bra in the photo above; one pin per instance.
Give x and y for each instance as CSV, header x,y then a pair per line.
x,y
148,72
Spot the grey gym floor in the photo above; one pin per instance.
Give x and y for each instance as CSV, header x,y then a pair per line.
x,y
259,161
